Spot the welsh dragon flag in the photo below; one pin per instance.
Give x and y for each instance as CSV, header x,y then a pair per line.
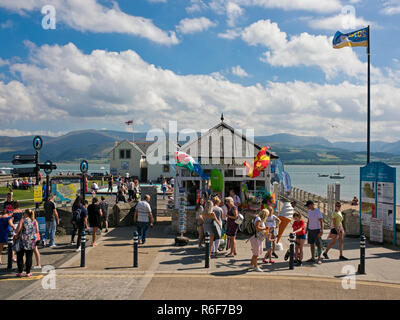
x,y
186,161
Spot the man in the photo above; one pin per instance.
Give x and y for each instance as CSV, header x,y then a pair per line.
x,y
236,198
110,184
104,210
143,218
8,205
52,220
314,229
131,186
82,223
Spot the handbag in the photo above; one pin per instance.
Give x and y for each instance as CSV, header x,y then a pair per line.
x,y
17,245
217,230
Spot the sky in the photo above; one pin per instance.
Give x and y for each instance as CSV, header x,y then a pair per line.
x,y
268,65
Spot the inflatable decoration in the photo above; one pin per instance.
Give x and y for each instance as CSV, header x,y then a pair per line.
x,y
186,161
217,180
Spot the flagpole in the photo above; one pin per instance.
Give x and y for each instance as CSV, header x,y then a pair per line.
x,y
369,101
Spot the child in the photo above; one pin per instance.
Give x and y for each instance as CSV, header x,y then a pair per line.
x,y
299,228
272,231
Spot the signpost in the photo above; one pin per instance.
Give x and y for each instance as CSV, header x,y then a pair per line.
x,y
84,167
378,197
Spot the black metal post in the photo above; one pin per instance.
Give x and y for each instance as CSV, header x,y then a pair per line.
x,y
361,266
291,250
83,248
135,249
207,252
47,186
37,175
10,244
369,101
83,187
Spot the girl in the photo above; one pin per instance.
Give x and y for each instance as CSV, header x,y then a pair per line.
x,y
36,249
199,219
337,232
209,217
232,226
5,226
218,213
299,228
258,239
272,232
164,188
26,234
94,213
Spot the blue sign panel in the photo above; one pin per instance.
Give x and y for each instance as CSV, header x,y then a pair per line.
x,y
37,143
378,195
84,166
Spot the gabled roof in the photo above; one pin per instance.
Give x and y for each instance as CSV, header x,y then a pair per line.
x,y
138,146
228,127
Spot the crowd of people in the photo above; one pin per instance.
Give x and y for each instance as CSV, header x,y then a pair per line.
x,y
219,218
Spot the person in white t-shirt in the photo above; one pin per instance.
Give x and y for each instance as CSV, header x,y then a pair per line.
x,y
143,218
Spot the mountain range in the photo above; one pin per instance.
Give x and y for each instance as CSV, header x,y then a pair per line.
x,y
95,144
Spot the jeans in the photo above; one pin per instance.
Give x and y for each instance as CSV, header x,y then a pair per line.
x,y
28,260
74,230
142,228
51,227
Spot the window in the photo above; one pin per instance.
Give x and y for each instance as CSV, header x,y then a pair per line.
x,y
166,168
124,154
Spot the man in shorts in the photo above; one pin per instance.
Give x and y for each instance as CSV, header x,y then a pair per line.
x,y
314,229
104,210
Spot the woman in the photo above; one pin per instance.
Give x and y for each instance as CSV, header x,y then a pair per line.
x,y
94,213
36,249
199,220
6,226
26,235
218,213
164,188
16,218
232,226
337,232
76,205
299,228
257,240
209,217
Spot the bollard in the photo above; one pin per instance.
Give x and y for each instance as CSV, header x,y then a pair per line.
x,y
9,247
361,266
207,242
291,259
135,249
83,248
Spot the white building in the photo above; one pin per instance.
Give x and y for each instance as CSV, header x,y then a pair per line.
x,y
146,161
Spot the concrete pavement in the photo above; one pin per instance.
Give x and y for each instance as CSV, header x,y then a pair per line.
x,y
169,272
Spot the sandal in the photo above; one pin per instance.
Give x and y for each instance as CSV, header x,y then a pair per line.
x,y
28,275
271,261
265,261
230,255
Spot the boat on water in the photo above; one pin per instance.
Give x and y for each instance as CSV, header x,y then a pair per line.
x,y
337,175
323,175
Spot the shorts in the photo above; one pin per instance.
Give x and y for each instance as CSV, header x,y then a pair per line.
x,y
334,231
313,236
301,237
256,246
268,244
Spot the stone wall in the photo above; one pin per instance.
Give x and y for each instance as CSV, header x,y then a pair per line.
x,y
351,224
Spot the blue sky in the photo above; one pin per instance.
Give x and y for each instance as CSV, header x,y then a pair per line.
x,y
266,64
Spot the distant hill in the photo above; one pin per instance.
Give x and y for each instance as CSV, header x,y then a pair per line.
x,y
95,145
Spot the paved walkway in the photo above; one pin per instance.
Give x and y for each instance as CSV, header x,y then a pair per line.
x,y
169,272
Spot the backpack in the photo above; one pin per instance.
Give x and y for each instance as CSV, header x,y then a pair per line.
x,y
76,215
251,228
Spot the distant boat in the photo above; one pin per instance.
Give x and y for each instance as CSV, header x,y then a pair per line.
x,y
102,168
337,175
323,175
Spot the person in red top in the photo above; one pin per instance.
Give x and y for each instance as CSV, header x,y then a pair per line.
x,y
299,228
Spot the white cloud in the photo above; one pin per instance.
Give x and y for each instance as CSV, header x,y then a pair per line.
x,y
306,5
157,1
64,86
239,71
22,133
188,26
233,12
339,22
7,24
230,34
302,50
391,7
91,16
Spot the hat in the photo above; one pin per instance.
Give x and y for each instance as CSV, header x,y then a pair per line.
x,y
309,202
